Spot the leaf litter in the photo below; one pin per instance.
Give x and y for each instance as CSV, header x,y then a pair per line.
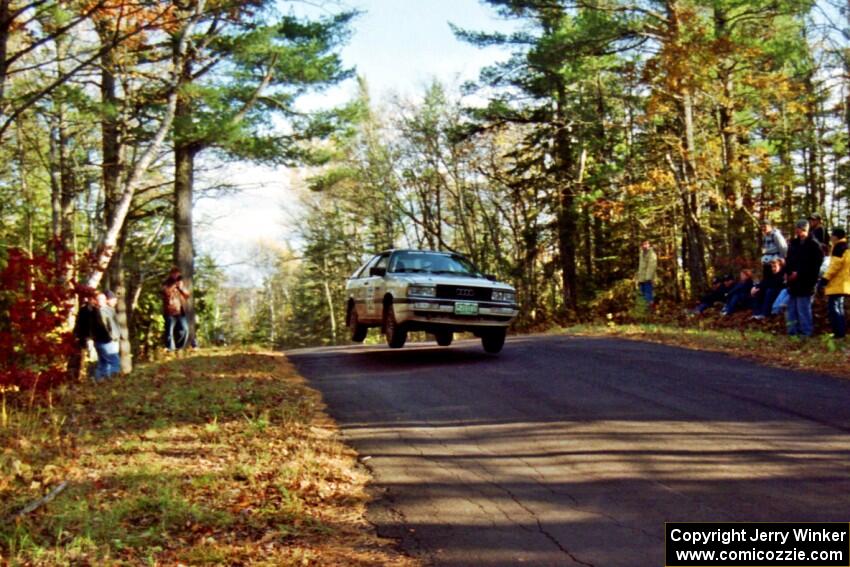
x,y
222,457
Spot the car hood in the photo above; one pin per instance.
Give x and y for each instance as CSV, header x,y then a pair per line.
x,y
440,279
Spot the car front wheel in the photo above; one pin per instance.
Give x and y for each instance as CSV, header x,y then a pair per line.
x,y
493,340
396,333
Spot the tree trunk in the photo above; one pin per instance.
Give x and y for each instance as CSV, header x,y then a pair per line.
x,y
117,284
5,26
690,201
134,285
567,216
812,151
184,251
26,192
331,310
787,172
111,178
63,181
272,316
737,238
106,246
68,193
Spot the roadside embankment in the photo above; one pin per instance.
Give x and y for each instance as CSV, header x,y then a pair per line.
x,y
219,458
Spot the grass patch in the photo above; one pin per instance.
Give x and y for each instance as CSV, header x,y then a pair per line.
x,y
820,353
217,458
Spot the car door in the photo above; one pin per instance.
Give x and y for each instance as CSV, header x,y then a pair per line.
x,y
376,289
359,288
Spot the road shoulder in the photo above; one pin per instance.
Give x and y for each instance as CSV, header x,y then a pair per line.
x,y
818,354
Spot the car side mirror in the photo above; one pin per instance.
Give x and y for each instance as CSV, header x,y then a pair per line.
x,y
377,271
490,277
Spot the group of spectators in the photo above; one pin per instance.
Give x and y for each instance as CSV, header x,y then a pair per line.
x,y
97,330
791,274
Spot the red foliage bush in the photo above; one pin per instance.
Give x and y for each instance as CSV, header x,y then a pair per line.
x,y
35,344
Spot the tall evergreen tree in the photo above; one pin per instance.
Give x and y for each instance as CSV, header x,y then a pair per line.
x,y
247,68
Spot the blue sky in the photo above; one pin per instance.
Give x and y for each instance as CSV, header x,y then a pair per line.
x,y
399,46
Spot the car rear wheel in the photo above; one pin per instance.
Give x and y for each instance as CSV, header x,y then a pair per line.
x,y
358,330
493,340
444,338
396,333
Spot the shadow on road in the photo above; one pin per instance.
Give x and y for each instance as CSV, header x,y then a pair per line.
x,y
574,451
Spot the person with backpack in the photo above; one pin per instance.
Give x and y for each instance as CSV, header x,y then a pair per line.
x,y
174,297
773,244
773,247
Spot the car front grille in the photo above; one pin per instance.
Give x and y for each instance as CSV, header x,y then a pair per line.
x,y
462,292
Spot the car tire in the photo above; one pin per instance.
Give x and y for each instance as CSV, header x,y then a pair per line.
x,y
444,338
358,330
396,333
493,340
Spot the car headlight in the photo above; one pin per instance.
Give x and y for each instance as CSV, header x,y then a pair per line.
x,y
506,296
422,291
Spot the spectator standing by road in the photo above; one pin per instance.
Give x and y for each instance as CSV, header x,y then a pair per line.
x,y
837,278
106,333
773,245
84,324
174,297
818,232
802,268
646,272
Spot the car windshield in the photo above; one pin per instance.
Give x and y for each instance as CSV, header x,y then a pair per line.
x,y
432,263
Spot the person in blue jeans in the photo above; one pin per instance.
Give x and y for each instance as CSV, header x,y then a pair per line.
x,y
739,296
803,269
106,334
175,297
647,265
718,292
767,290
836,281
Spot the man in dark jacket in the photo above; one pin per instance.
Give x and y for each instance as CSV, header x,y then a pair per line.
x,y
802,268
84,324
818,232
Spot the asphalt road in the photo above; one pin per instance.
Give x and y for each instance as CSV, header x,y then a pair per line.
x,y
575,451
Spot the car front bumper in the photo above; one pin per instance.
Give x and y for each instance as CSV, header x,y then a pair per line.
x,y
440,313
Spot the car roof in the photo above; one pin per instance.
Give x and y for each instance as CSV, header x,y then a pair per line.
x,y
391,250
